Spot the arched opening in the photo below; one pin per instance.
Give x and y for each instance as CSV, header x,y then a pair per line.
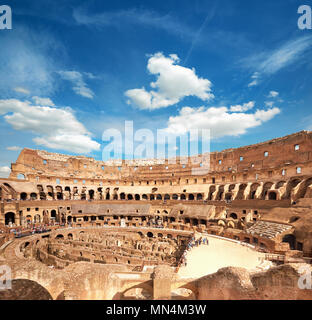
x,y
266,187
59,236
152,197
183,197
9,218
37,218
23,196
91,194
272,195
220,193
130,197
122,196
159,197
144,197
240,194
69,219
33,196
191,197
253,190
175,197
228,196
137,197
150,235
21,176
212,190
291,240
199,197
167,197
53,214
290,186
70,236
233,216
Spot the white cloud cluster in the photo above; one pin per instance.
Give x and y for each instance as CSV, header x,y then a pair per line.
x,y
173,83
221,121
4,172
242,108
79,85
57,128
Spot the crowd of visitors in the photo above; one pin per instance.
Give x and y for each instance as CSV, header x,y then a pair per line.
x,y
193,243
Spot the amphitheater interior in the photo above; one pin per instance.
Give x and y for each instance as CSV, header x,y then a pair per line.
x,y
234,224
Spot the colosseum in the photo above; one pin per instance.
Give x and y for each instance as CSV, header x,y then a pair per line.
x,y
73,228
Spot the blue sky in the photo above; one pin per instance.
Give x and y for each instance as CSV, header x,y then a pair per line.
x,y
71,69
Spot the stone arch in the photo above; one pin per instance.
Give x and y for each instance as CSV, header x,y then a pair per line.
x,y
183,293
191,197
199,196
21,176
159,197
272,195
166,197
212,190
220,193
122,196
24,289
9,217
290,186
144,197
137,197
23,196
130,196
253,190
91,194
291,240
304,190
183,196
265,189
53,213
241,190
33,196
175,196
233,216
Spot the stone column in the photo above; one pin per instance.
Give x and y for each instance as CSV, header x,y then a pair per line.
x,y
162,278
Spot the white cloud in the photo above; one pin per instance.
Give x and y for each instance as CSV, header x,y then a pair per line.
x,y
43,101
242,108
14,148
5,172
269,103
134,16
220,120
21,90
57,128
173,83
255,79
273,94
80,87
270,62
